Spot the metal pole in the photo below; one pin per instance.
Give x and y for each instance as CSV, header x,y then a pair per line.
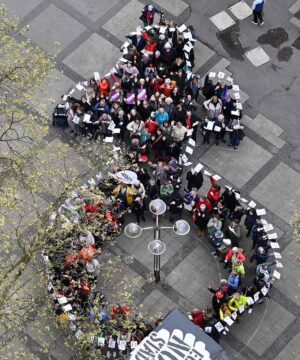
x,y
157,257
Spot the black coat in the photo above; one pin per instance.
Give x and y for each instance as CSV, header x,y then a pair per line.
x,y
194,180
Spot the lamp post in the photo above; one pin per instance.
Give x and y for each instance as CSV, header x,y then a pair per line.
x,y
156,247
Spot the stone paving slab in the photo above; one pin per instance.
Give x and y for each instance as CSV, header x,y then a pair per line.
x,y
268,321
193,275
19,8
257,56
290,272
295,7
222,20
16,349
231,163
157,302
241,10
174,7
266,129
122,22
92,9
53,29
56,84
279,191
202,54
295,21
291,351
94,52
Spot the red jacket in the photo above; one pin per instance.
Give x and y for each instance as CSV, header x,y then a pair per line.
x,y
151,126
239,255
104,87
198,319
213,194
206,202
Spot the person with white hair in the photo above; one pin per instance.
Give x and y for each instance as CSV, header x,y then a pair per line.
x,y
147,16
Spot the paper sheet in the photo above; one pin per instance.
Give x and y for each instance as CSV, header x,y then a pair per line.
x,y
187,48
252,204
182,28
217,177
235,112
96,75
237,96
212,74
234,315
272,236
219,326
261,212
274,245
190,132
189,163
79,86
210,125
235,88
264,290
279,264
87,118
184,158
256,296
229,79
192,142
189,150
277,255
109,139
228,320
79,334
221,75
268,227
116,131
207,173
241,309
217,128
67,307
239,106
187,35
276,274
198,167
62,300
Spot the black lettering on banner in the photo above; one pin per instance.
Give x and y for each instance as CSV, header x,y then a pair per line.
x,y
194,355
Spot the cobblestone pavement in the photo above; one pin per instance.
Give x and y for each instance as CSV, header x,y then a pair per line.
x,y
85,35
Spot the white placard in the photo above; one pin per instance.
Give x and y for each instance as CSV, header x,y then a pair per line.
x,y
234,315
256,296
189,150
252,204
229,79
87,118
239,106
188,163
264,290
276,274
108,139
212,74
221,75
207,173
277,255
79,334
188,35
184,158
241,309
235,112
268,227
244,200
217,128
272,236
116,131
217,177
97,75
279,264
187,48
182,28
62,300
228,320
210,125
219,326
122,345
190,132
261,212
79,86
192,142
235,88
237,96
198,167
274,245
67,307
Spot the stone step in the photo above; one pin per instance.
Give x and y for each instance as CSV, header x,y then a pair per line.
x,y
266,129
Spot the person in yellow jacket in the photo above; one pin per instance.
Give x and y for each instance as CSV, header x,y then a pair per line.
x,y
224,311
237,301
238,267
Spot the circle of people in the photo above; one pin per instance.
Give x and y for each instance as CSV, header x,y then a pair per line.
x,y
148,100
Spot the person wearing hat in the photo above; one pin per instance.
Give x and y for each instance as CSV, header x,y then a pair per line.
x,y
198,317
139,189
148,15
217,300
201,217
216,240
232,254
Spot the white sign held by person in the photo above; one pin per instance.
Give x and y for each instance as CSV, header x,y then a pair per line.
x,y
165,345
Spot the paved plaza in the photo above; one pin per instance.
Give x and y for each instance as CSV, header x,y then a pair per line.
x,y
85,36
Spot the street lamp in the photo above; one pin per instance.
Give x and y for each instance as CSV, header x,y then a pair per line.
x,y
156,247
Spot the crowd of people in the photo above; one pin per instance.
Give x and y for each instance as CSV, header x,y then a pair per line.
x,y
149,100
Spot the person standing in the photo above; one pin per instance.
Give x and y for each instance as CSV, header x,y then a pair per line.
x,y
257,7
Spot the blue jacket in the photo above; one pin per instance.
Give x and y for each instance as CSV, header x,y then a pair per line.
x,y
233,281
258,5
